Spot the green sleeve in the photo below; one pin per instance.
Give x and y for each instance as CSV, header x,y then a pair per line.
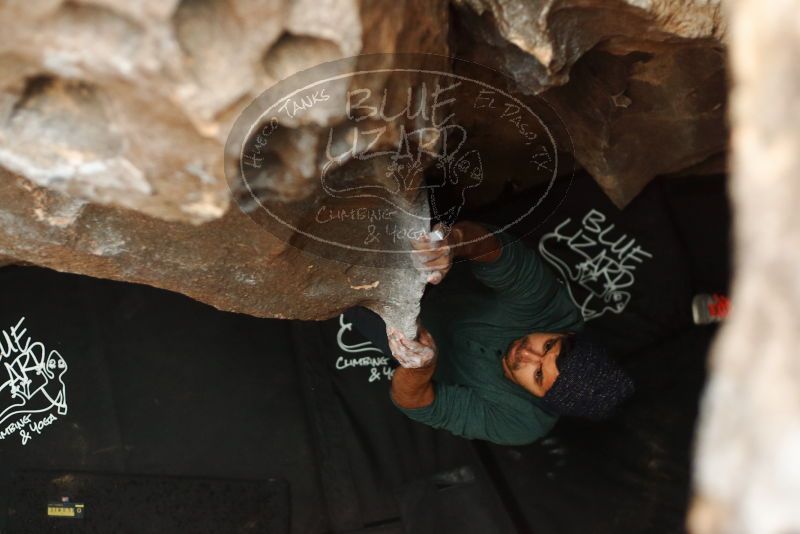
x,y
464,412
519,274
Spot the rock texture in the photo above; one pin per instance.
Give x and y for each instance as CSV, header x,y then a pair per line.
x,y
115,114
230,263
130,103
639,85
114,119
747,474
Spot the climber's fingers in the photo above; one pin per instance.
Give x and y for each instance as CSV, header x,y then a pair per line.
x,y
409,353
438,263
439,249
408,346
425,338
433,258
436,277
431,243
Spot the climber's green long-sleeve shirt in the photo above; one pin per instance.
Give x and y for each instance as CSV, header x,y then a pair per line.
x,y
473,315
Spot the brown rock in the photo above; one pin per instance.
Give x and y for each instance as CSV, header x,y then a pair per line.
x,y
115,115
230,263
114,119
639,110
131,105
640,89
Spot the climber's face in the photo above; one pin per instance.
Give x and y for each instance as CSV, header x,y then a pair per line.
x,y
530,361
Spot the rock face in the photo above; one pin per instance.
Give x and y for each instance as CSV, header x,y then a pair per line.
x,y
231,263
115,115
640,85
114,120
129,104
747,474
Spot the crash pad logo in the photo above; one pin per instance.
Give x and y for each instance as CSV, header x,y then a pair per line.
x,y
32,390
597,263
361,355
352,159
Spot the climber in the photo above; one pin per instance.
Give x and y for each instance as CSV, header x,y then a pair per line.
x,y
500,353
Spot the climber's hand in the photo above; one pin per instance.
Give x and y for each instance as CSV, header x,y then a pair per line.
x,y
409,352
435,258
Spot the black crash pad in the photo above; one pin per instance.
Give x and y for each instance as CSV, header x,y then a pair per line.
x,y
123,503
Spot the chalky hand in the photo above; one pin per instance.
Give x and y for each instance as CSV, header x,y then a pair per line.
x,y
412,353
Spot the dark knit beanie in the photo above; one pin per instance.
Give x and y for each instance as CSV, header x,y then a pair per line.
x,y
589,383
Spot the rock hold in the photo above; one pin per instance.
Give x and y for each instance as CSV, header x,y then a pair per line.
x,y
115,114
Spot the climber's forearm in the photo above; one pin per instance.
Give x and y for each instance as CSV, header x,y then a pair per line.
x,y
413,387
475,242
